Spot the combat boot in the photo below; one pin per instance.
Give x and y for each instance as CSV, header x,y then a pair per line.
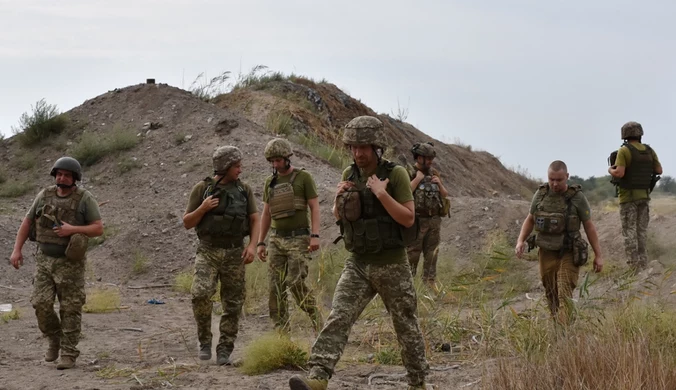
x,y
298,382
65,363
223,358
205,352
53,350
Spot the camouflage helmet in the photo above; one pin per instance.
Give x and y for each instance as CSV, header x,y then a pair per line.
x,y
365,130
632,129
224,157
68,164
425,149
278,147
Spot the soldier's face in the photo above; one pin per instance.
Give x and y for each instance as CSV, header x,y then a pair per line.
x,y
279,164
234,171
64,177
363,155
558,180
424,163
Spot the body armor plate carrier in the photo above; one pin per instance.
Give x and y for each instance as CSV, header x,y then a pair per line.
x,y
283,203
555,225
229,221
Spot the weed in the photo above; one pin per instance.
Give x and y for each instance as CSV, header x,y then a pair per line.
x,y
111,372
25,162
334,155
183,282
91,147
13,189
108,231
402,112
140,263
271,352
206,89
388,356
126,164
13,314
279,122
179,138
102,300
44,121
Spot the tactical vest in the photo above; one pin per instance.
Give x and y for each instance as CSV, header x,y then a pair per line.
x,y
556,223
229,220
638,175
375,229
55,211
282,200
427,198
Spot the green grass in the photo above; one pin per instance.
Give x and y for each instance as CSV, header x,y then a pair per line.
x,y
279,122
183,282
126,164
93,147
43,122
13,314
102,300
25,162
141,263
13,189
336,156
273,352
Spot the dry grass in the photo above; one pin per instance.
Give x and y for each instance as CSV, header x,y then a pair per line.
x,y
102,300
13,314
272,352
13,189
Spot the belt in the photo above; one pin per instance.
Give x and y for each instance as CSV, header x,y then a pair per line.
x,y
52,250
223,243
291,233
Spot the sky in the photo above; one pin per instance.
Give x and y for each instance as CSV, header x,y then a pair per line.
x,y
529,81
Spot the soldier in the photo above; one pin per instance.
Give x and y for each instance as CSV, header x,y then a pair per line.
x,y
287,195
635,170
556,212
430,200
373,205
222,209
61,219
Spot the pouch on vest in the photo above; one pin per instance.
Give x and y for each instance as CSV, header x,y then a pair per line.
x,y
48,217
551,242
445,208
349,206
362,236
580,252
282,201
77,247
550,222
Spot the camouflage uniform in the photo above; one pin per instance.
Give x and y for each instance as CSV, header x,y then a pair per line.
x,y
382,270
427,243
211,266
288,269
640,162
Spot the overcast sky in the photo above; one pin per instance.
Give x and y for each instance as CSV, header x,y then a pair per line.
x,y
529,81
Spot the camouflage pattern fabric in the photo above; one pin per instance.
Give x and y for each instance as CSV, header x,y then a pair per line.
x,y
278,147
427,243
358,284
635,217
288,258
365,130
224,157
65,279
631,129
559,277
211,266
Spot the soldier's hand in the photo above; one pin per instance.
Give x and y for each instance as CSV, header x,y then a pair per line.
x,y
598,264
436,180
209,203
376,185
248,254
64,230
343,186
262,252
518,250
314,244
419,175
16,259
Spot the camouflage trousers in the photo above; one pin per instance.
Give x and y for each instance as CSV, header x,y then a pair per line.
x,y
289,258
429,231
559,277
635,217
211,266
65,279
358,284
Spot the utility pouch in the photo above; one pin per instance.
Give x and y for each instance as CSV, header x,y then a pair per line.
x,y
77,247
580,252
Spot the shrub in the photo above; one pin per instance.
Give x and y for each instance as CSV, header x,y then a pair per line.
x,y
91,148
271,352
14,189
279,122
44,121
102,301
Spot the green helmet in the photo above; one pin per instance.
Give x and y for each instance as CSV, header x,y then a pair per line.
x,y
224,157
68,164
278,147
425,149
365,130
632,129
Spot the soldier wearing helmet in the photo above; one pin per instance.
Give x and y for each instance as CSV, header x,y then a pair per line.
x,y
289,197
374,207
635,170
61,219
431,203
222,209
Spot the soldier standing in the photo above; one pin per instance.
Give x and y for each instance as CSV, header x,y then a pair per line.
x,y
430,205
635,170
222,209
373,205
63,216
288,194
556,213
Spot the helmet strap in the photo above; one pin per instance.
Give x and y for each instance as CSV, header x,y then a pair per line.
x,y
67,186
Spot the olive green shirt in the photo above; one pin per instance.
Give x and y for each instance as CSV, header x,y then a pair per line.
x,y
304,187
624,160
579,203
400,185
197,196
